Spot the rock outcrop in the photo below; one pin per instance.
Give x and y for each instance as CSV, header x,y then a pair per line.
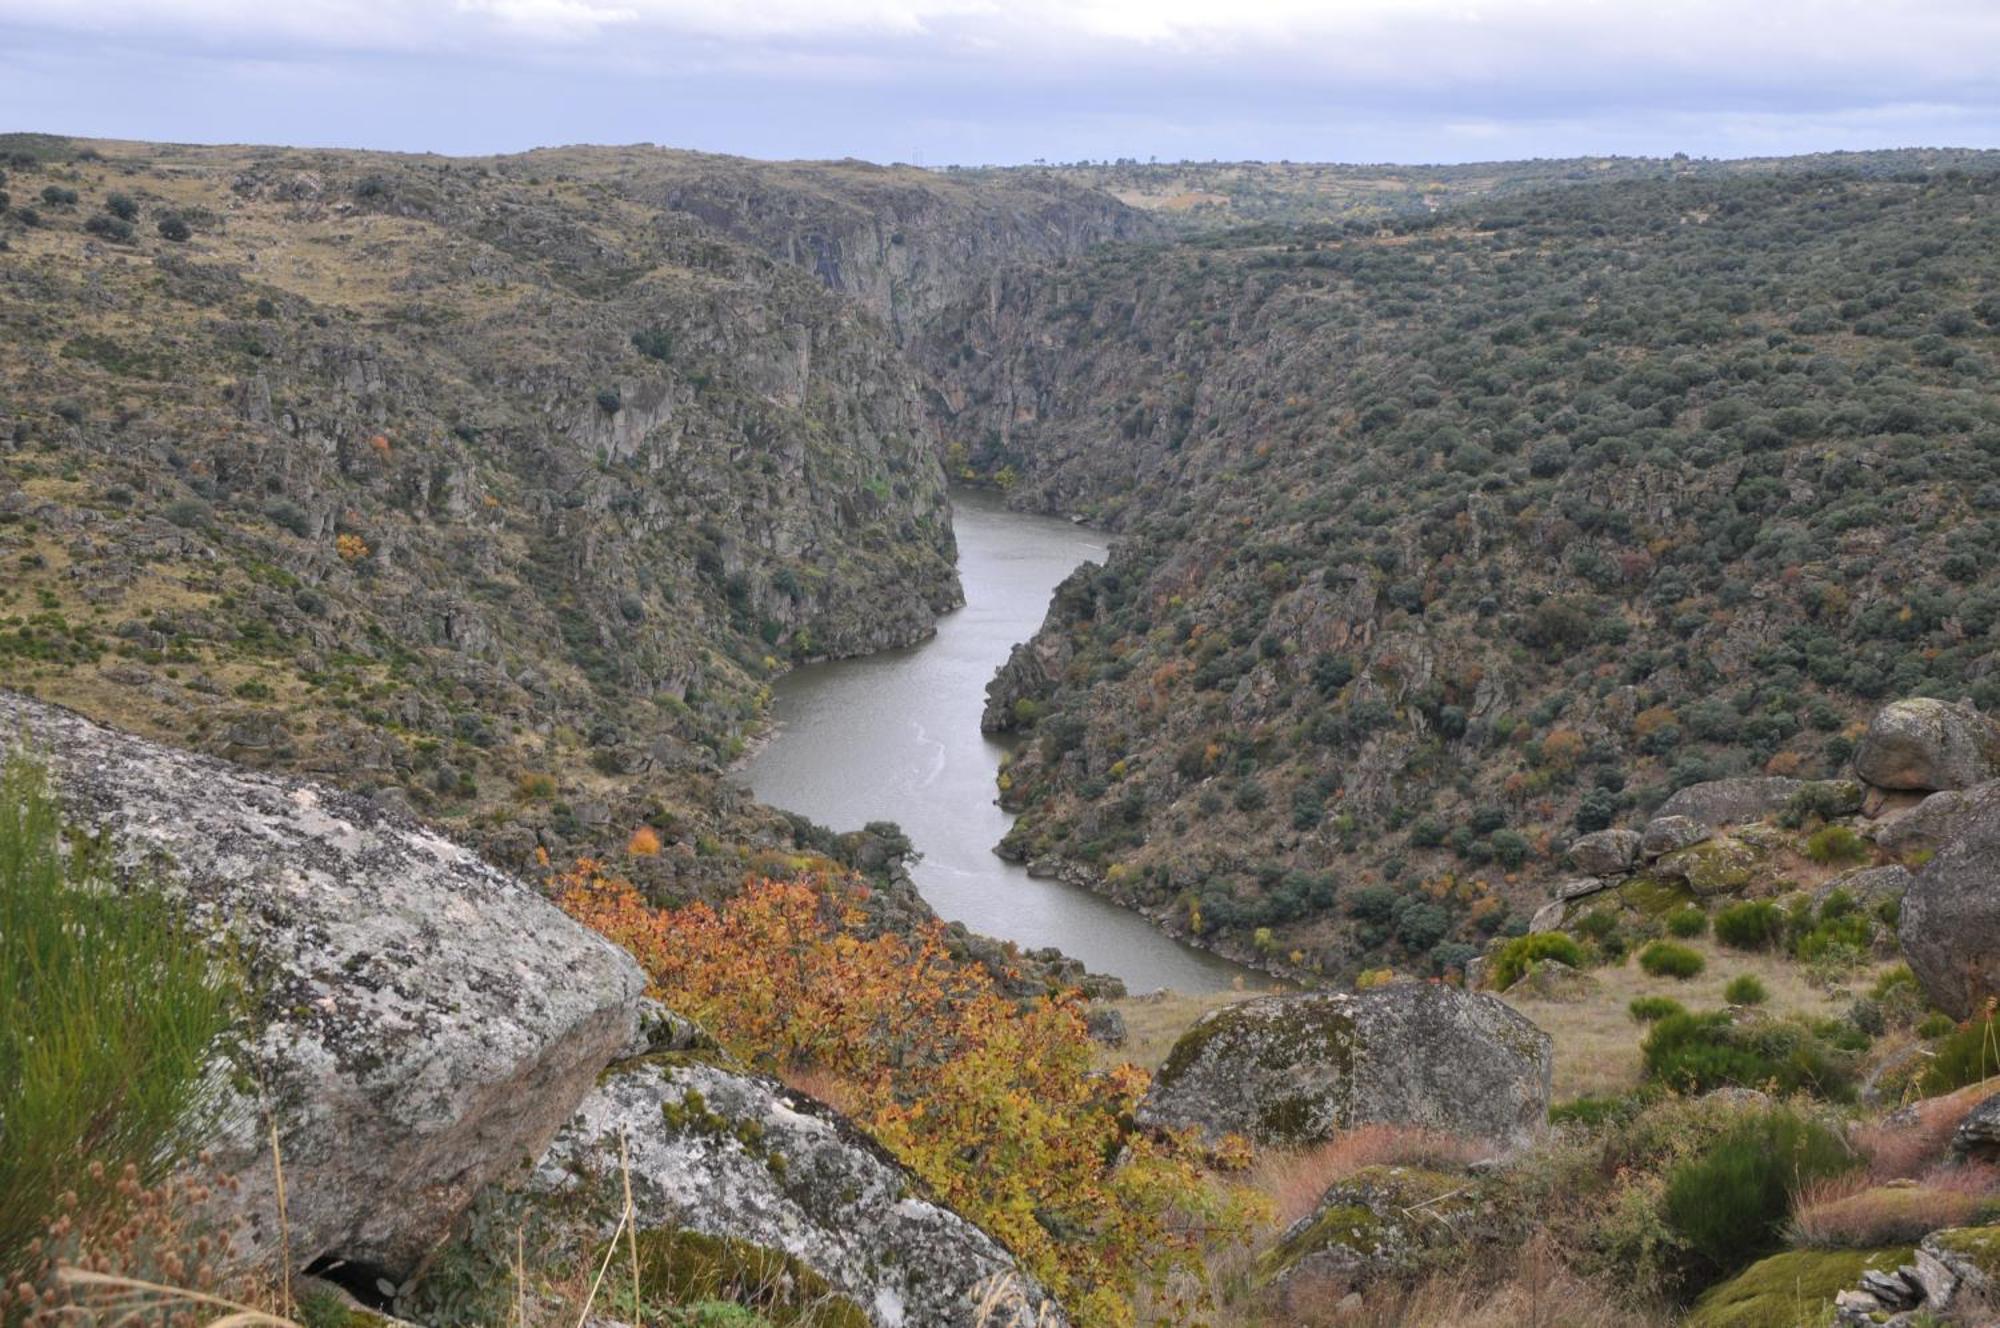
x,y
1950,920
1605,853
1719,802
1978,1135
735,1158
1296,1069
422,1021
1922,743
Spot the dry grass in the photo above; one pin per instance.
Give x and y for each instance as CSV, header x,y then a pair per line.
x,y
1154,1022
1597,1044
1911,1147
1853,1213
1536,1290
1294,1181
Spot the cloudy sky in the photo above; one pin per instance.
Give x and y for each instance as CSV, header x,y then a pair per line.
x,y
973,81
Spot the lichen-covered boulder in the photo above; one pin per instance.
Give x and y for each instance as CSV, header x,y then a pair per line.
x,y
1937,820
1923,743
720,1156
1722,866
1296,1069
1666,834
422,1021
1871,888
1720,802
1605,852
1950,920
1381,1223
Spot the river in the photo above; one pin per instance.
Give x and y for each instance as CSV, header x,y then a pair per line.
x,y
895,737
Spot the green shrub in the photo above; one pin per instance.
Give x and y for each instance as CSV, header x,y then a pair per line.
x,y
1745,990
1965,1056
1687,922
1836,843
1751,925
1730,1204
1697,1053
108,1012
1652,1009
1524,952
1935,1025
1665,959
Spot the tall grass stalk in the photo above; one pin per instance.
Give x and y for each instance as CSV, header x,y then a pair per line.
x,y
109,1009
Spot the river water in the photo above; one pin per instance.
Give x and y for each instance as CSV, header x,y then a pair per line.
x,y
895,737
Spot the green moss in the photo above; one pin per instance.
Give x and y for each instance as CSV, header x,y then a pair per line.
x,y
1716,866
1654,897
681,1267
1789,1289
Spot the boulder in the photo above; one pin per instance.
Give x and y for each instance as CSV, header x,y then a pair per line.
x,y
1721,866
1950,920
1924,743
1581,887
1665,834
422,1021
1295,1069
1719,802
721,1159
1869,887
1381,1223
1978,1135
1605,853
1937,820
1549,917
1555,982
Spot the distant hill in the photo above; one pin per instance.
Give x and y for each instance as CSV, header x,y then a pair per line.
x,y
1192,195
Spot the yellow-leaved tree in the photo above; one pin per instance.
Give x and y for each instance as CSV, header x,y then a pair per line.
x,y
990,1101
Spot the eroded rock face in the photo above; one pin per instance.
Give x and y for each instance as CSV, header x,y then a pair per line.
x,y
425,1021
1950,920
1296,1069
1924,743
1605,853
742,1158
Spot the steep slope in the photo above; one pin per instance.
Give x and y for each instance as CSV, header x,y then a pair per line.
x,y
1447,541
497,492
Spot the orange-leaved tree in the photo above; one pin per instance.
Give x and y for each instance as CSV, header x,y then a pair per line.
x,y
991,1102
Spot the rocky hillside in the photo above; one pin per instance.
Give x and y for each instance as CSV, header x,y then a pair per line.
x,y
1448,541
500,488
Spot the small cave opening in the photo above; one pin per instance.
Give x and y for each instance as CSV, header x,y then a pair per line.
x,y
369,1283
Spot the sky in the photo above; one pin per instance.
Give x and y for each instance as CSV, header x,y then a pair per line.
x,y
971,82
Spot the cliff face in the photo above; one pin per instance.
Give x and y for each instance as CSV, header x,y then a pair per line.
x,y
905,243
481,487
1444,544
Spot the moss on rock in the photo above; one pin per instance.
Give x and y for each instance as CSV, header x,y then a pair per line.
x,y
1792,1288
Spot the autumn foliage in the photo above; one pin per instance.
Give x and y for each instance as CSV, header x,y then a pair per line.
x,y
990,1102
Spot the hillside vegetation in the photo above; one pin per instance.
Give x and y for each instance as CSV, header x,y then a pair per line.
x,y
500,488
1214,195
1445,541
